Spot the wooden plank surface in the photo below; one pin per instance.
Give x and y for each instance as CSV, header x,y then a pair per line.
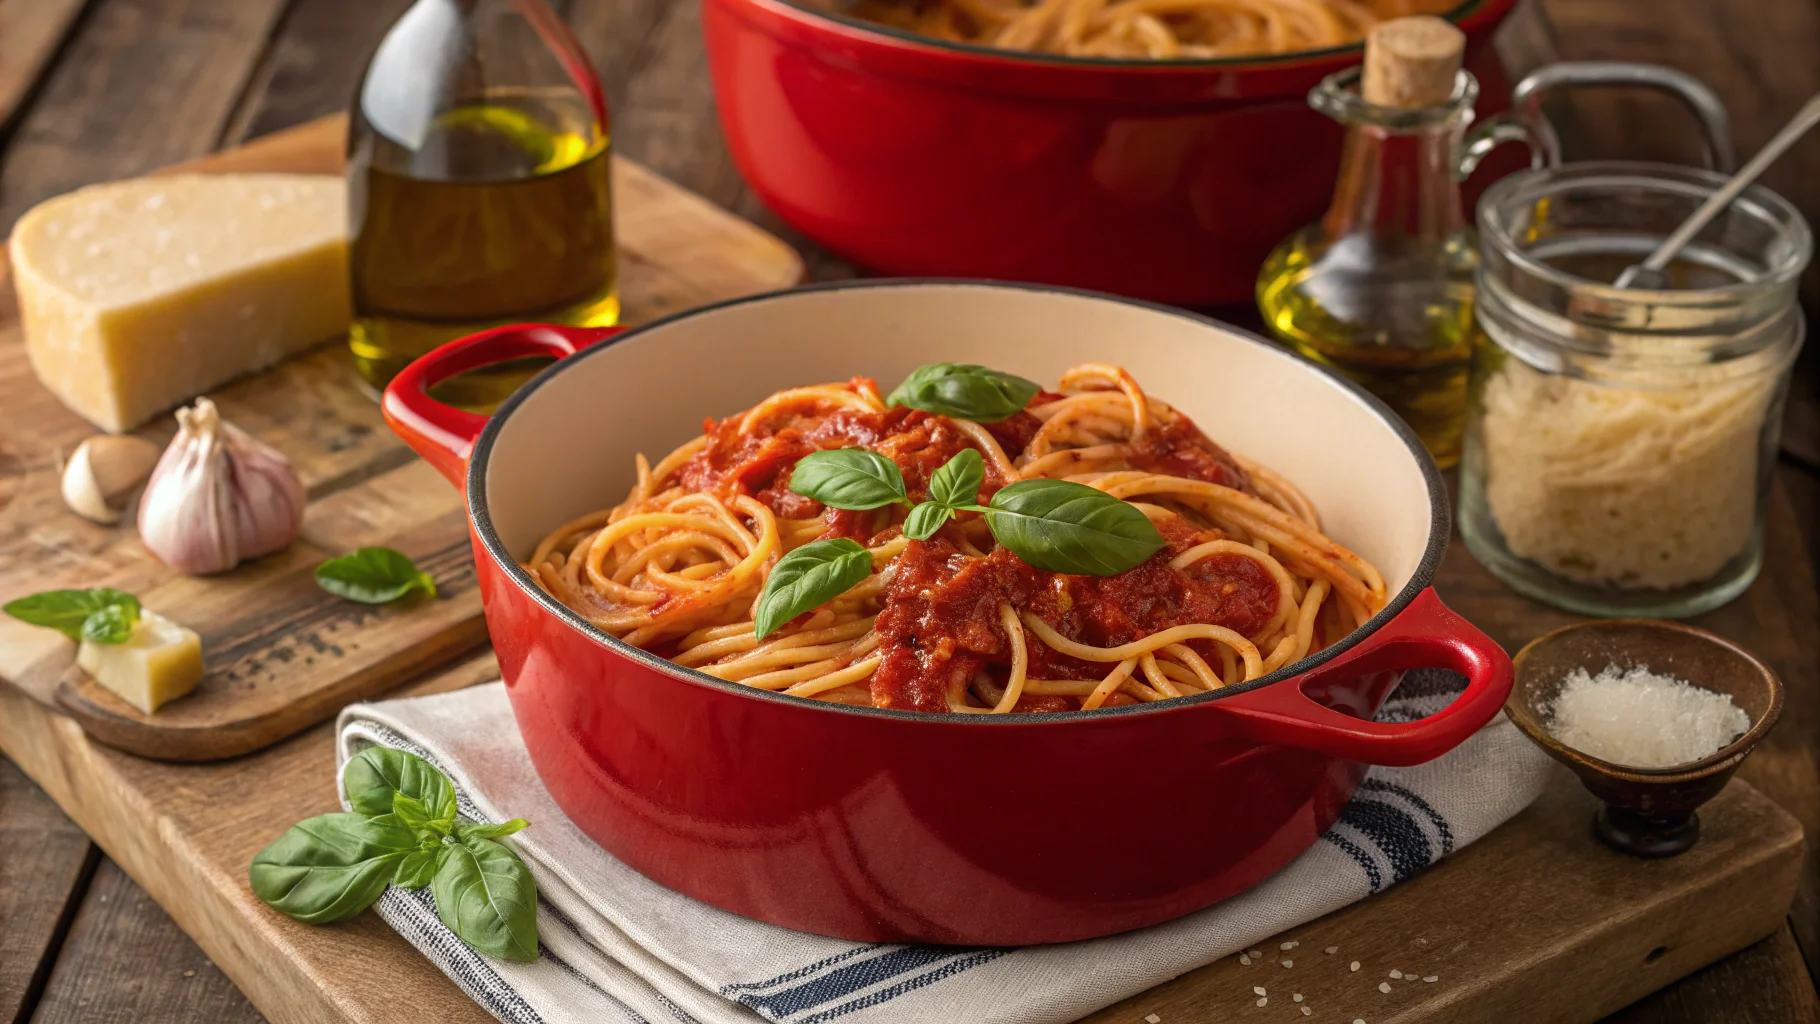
x,y
30,33
45,861
280,653
124,962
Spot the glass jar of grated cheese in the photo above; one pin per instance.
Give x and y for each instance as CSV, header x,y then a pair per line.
x,y
1620,443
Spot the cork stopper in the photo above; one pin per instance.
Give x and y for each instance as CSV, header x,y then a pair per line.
x,y
1410,62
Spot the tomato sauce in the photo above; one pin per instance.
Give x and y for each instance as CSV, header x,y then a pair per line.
x,y
940,622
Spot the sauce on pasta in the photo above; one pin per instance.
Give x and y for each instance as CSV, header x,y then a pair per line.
x,y
1245,583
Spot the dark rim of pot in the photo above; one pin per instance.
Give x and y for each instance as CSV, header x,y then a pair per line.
x,y
1438,526
1456,14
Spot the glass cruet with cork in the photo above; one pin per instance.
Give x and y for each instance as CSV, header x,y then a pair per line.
x,y
478,188
1380,288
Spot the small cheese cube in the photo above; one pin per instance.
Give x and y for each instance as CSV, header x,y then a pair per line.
x,y
137,295
160,662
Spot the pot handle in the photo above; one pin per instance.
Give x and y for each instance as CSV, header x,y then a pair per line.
x,y
1427,634
443,434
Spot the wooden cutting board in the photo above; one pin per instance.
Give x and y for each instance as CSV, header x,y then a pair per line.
x,y
1537,922
280,654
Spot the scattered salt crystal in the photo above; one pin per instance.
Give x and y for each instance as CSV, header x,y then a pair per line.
x,y
1331,950
1258,990
1397,975
1432,978
1306,1012
1384,987
1263,1002
1355,965
1244,960
1638,718
1288,964
1152,1018
1287,946
1296,996
1257,954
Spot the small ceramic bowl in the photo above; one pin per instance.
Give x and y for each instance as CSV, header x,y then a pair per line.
x,y
1647,811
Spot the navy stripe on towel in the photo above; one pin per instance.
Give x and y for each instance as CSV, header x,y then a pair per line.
x,y
1392,831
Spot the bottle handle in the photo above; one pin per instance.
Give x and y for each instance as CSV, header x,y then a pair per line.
x,y
1526,123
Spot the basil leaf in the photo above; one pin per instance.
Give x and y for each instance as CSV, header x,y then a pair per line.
x,y
376,775
925,519
958,481
373,576
487,897
111,625
1071,528
849,478
814,574
415,816
68,611
418,867
964,390
485,831
330,867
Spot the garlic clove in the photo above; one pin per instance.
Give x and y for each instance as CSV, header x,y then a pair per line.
x,y
218,496
105,473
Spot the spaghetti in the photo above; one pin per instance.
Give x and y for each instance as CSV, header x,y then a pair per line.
x,y
1245,584
1156,29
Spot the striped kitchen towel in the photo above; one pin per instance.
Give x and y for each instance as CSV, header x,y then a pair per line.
x,y
617,947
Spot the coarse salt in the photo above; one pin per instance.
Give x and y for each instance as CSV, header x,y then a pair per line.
x,y
1355,965
1331,950
1295,997
1151,1018
1638,718
1258,990
1306,1012
1384,987
1397,975
1263,1002
1432,978
1244,960
1288,964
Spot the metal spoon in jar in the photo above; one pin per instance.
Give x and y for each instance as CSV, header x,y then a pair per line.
x,y
1649,274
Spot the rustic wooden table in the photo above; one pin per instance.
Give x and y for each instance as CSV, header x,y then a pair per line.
x,y
99,89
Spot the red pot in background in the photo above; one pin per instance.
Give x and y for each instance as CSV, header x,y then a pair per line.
x,y
890,826
1168,181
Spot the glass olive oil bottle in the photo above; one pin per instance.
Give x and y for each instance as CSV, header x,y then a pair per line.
x,y
1381,288
479,189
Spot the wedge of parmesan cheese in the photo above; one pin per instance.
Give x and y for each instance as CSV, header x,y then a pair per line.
x,y
138,295
160,662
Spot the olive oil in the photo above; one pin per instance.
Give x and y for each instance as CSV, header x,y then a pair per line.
x,y
1381,287
1400,325
502,213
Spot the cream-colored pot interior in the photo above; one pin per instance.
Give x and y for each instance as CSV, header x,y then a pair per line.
x,y
567,448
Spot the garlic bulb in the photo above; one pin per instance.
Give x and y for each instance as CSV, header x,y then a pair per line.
x,y
218,497
104,474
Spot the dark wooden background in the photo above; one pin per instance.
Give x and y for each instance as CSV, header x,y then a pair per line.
x,y
98,89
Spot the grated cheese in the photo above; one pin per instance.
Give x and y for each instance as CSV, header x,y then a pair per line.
x,y
1623,487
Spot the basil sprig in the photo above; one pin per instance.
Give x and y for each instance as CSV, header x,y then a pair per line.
x,y
810,576
1055,525
373,576
101,615
404,830
964,390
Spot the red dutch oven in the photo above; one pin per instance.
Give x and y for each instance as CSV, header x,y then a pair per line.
x,y
1165,180
898,826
